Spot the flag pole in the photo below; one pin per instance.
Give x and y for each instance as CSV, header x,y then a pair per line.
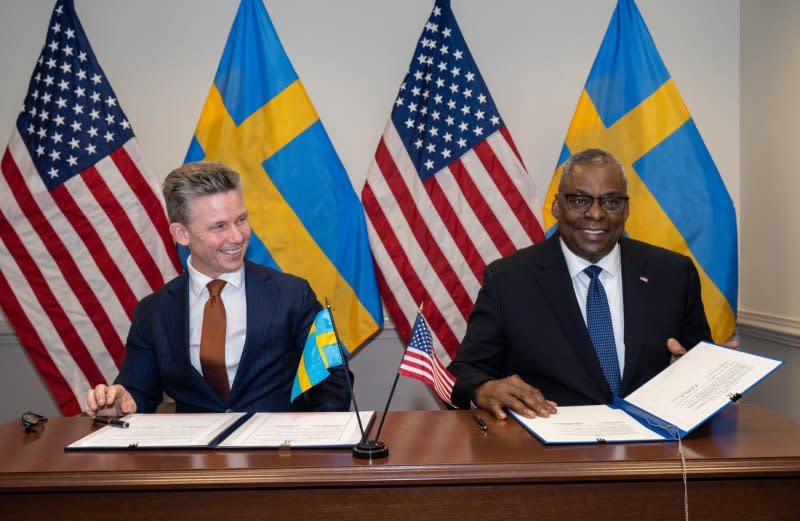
x,y
394,385
344,356
391,394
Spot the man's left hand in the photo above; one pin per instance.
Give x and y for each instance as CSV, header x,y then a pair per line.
x,y
676,350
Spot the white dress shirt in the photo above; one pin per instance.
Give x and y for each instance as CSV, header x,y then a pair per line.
x,y
611,278
235,300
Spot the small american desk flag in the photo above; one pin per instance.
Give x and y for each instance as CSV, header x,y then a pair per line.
x,y
447,192
83,234
421,363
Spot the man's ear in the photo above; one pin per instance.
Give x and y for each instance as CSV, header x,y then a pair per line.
x,y
179,233
554,207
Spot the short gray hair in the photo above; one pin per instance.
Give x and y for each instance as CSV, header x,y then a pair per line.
x,y
594,157
192,180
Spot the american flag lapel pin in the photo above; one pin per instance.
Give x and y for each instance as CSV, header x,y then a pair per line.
x,y
644,279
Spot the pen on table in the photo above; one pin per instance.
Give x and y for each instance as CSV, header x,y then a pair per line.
x,y
108,420
481,424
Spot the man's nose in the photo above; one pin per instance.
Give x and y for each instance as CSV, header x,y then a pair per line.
x,y
235,234
595,211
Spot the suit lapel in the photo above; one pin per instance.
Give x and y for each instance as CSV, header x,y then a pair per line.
x,y
557,288
178,330
258,293
635,300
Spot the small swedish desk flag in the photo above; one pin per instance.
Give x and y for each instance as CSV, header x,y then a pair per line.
x,y
631,107
320,353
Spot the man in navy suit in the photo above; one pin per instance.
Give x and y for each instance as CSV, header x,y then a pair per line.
x,y
266,317
528,346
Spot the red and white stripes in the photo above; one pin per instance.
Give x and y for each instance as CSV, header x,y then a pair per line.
x,y
419,365
75,260
431,240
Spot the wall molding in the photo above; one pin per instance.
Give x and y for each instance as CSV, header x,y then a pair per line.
x,y
766,326
7,334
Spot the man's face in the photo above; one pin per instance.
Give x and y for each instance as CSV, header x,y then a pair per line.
x,y
591,234
217,233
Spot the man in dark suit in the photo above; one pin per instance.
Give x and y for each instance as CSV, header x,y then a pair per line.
x,y
534,339
235,348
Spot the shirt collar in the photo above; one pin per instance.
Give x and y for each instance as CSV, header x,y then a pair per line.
x,y
575,264
198,281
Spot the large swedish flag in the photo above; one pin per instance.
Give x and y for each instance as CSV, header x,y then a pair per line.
x,y
305,215
631,107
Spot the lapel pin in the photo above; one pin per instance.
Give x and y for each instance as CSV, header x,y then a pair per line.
x,y
644,279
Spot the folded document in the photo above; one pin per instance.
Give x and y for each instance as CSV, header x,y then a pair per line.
x,y
229,430
671,405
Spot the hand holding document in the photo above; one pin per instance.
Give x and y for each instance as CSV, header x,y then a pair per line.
x,y
701,383
229,430
672,404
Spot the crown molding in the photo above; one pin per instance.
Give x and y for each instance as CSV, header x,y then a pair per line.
x,y
7,334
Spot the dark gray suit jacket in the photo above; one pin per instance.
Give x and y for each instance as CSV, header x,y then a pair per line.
x,y
280,309
527,321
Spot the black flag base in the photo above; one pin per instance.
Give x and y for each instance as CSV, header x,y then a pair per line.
x,y
372,449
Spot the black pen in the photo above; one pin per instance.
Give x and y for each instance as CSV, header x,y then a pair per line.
x,y
109,420
481,424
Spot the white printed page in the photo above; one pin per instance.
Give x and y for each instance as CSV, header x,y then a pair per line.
x,y
160,430
700,383
306,429
587,424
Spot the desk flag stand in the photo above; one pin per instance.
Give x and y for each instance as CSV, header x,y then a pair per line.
x,y
364,449
376,449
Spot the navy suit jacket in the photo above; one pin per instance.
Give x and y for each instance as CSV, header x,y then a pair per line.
x,y
527,321
280,309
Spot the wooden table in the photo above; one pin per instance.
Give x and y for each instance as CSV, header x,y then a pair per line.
x,y
744,464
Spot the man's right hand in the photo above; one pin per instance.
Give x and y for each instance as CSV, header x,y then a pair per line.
x,y
514,393
109,400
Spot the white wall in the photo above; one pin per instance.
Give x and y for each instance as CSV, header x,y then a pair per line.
x,y
769,210
351,55
771,185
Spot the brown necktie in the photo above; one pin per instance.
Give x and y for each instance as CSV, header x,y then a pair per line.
x,y
212,341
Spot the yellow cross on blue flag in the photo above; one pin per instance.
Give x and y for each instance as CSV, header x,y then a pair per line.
x,y
306,217
320,353
631,107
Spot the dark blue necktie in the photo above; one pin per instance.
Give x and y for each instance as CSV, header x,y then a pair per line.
x,y
598,321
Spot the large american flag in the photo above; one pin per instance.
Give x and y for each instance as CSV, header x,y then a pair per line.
x,y
447,192
421,363
83,234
